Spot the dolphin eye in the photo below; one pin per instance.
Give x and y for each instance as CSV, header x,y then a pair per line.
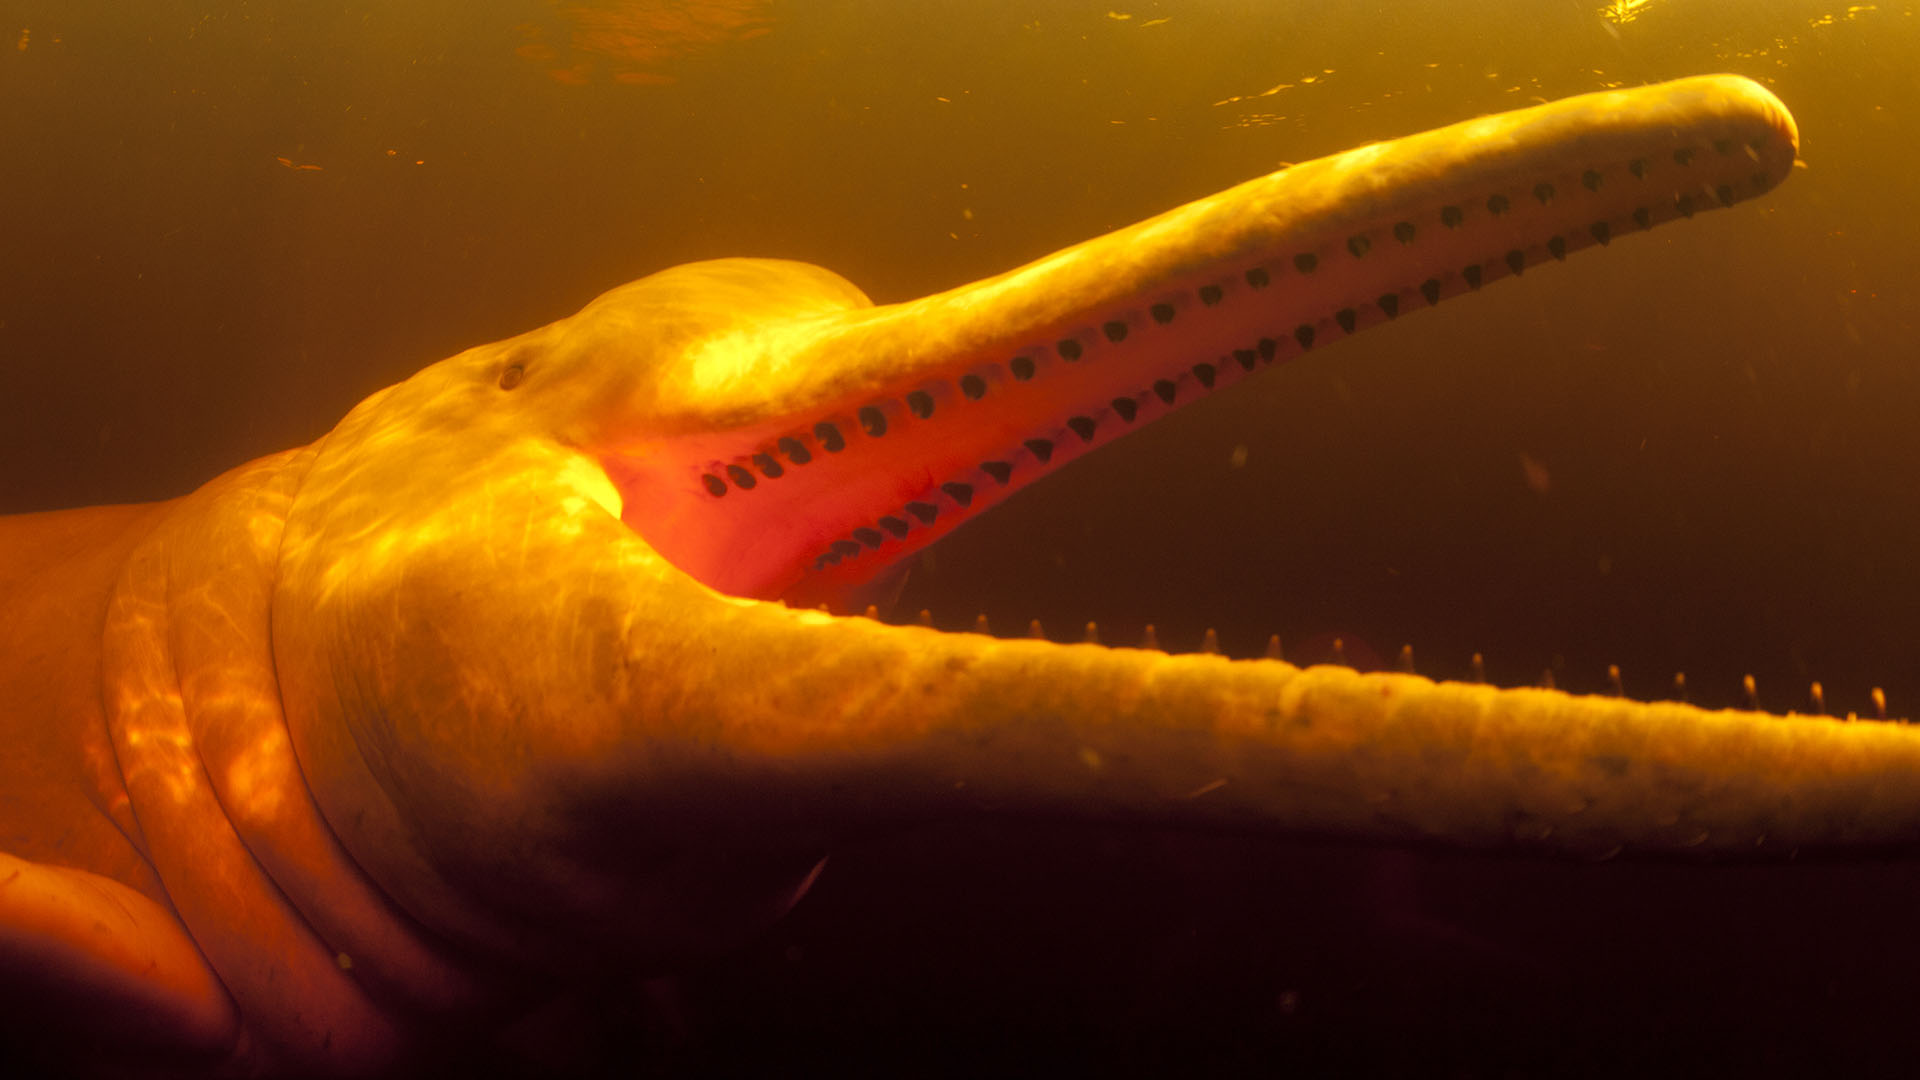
x,y
511,377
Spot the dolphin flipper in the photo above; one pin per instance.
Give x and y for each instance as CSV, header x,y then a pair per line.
x,y
100,956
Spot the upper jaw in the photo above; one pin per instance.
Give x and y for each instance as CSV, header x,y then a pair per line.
x,y
798,442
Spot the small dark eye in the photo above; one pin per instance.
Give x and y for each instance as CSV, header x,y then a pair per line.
x,y
511,377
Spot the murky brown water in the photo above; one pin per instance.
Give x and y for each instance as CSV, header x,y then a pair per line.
x,y
224,223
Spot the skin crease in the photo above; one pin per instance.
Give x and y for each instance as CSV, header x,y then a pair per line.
x,y
382,715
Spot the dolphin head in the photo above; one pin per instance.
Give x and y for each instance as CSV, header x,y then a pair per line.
x,y
546,613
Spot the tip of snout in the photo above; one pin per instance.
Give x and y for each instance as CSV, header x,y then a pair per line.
x,y
1774,137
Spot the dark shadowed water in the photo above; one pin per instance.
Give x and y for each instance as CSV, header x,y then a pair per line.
x,y
223,223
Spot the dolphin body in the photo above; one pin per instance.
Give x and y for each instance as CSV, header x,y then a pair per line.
x,y
521,671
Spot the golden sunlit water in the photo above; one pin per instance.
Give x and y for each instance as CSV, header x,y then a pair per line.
x,y
227,222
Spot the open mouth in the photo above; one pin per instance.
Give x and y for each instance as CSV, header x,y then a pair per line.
x,y
858,436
